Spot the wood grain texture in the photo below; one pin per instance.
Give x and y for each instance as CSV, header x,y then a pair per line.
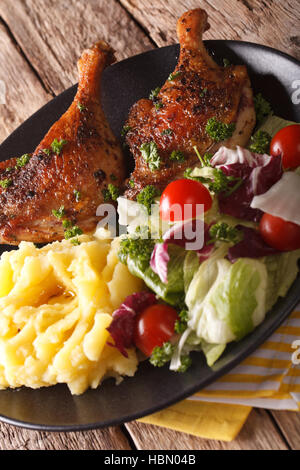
x,y
22,93
12,438
259,433
53,33
289,424
273,23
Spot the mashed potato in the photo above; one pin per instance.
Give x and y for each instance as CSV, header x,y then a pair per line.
x,y
55,305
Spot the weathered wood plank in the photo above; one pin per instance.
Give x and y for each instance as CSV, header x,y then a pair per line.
x,y
259,433
12,438
289,424
21,92
272,23
53,34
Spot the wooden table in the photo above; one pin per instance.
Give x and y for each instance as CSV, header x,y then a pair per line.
x,y
41,41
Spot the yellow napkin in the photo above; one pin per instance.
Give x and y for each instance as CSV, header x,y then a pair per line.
x,y
269,378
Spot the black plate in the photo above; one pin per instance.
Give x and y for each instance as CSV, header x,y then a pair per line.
x,y
54,409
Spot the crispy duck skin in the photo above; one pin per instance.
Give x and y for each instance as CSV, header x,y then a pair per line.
x,y
198,90
90,159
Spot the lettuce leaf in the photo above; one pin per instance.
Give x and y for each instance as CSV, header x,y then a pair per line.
x,y
274,124
227,301
282,271
239,299
173,291
212,352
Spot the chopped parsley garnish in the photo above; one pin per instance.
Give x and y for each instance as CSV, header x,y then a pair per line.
x,y
181,324
59,213
224,233
111,193
6,183
58,146
77,195
186,363
113,177
260,142
151,155
203,93
218,130
223,184
162,355
131,183
125,130
167,132
263,109
22,161
174,75
158,105
138,248
147,197
75,241
81,107
218,182
154,93
177,156
46,151
226,62
66,223
73,232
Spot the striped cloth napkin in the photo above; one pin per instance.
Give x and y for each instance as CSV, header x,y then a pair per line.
x,y
269,378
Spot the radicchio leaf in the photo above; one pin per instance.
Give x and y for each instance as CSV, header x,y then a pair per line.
x,y
159,261
122,326
252,246
191,235
259,174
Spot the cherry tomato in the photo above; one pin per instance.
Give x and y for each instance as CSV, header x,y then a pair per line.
x,y
287,144
180,193
154,327
280,234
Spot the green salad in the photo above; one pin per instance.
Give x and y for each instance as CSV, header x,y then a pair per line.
x,y
208,297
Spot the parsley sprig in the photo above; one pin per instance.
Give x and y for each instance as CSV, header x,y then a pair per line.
x,y
218,130
263,109
260,142
59,213
151,155
111,193
147,197
177,156
224,233
218,182
182,324
162,355
73,232
137,248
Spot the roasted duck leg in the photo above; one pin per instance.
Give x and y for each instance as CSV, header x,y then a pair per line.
x,y
198,91
68,174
